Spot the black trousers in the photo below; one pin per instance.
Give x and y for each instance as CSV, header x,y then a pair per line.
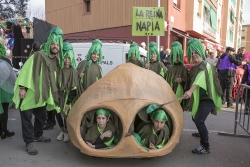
x,y
30,131
4,117
205,107
227,87
61,121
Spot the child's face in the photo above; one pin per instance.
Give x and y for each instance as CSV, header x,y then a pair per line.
x,y
66,61
101,120
95,57
158,124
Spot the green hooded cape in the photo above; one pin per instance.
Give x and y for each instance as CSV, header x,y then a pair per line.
x,y
92,71
176,70
39,76
134,51
68,77
204,76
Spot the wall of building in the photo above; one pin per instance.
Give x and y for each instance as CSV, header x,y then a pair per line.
x,y
72,17
246,33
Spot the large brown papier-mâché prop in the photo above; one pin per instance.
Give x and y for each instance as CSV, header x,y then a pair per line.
x,y
125,91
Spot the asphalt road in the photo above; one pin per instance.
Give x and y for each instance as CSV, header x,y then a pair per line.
x,y
226,151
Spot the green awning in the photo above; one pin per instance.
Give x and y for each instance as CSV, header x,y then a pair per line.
x,y
207,5
213,18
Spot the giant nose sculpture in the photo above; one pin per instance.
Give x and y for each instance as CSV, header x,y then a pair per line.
x,y
125,91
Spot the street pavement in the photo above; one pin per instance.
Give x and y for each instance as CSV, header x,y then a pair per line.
x,y
226,151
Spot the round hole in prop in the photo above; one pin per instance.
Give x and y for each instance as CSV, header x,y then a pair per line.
x,y
143,119
89,125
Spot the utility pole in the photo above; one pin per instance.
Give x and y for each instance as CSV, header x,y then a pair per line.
x,y
158,4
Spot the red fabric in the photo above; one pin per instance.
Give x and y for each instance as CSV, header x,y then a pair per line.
x,y
186,63
237,82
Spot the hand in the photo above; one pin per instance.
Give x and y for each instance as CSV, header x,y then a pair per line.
x,y
81,75
147,65
164,60
108,133
187,95
22,93
90,145
178,79
243,63
151,146
66,108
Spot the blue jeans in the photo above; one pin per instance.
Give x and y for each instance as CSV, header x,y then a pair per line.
x,y
205,107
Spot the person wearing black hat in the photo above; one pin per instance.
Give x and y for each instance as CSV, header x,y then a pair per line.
x,y
227,70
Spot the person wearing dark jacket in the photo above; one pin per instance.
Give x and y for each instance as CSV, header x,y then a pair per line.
x,y
240,56
227,70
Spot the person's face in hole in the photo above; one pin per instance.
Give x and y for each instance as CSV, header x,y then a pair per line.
x,y
158,124
102,120
95,57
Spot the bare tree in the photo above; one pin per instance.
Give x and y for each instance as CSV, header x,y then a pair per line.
x,y
13,8
37,11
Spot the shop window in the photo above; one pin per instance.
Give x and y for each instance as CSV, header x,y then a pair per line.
x,y
86,6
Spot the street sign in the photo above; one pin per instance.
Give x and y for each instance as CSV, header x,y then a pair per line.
x,y
148,21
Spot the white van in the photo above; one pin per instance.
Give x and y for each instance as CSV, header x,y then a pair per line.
x,y
113,54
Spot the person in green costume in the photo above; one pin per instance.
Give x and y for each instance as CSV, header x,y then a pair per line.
x,y
6,91
101,134
89,70
156,134
155,62
68,83
36,89
204,93
134,55
177,75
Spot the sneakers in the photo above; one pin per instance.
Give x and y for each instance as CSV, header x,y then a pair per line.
x,y
60,136
196,134
42,139
201,150
31,150
7,134
66,137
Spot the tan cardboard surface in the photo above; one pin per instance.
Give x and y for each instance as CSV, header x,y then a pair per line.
x,y
126,90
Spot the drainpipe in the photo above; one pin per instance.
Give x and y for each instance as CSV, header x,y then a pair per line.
x,y
158,4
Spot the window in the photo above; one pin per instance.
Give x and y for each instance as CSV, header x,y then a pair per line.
x,y
232,17
199,8
177,3
243,29
233,2
86,6
243,38
231,36
210,16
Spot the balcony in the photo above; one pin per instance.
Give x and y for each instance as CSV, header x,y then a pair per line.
x,y
208,29
215,3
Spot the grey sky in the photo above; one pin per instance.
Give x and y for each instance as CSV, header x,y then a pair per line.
x,y
246,12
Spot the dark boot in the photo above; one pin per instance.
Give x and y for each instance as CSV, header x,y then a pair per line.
x,y
7,134
49,125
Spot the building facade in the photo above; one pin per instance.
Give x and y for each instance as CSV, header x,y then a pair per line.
x,y
112,19
212,21
245,37
232,23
